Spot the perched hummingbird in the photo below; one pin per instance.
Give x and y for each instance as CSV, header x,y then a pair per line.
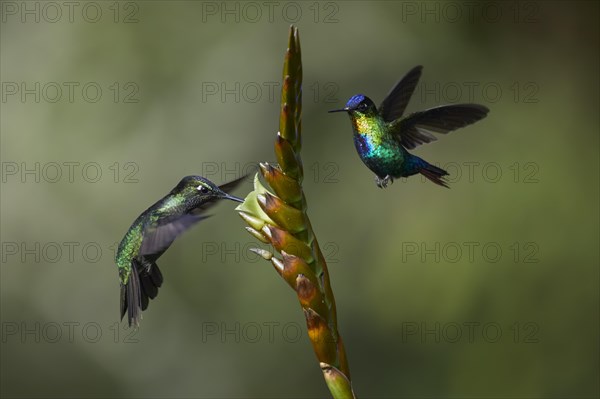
x,y
382,136
154,231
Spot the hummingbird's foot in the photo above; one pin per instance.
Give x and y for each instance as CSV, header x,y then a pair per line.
x,y
383,183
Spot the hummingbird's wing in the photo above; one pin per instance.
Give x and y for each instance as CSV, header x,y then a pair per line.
x,y
416,128
395,102
229,187
160,236
151,279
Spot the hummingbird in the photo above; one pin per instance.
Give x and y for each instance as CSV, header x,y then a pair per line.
x,y
154,231
383,135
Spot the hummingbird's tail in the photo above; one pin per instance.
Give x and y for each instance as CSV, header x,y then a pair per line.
x,y
141,286
434,174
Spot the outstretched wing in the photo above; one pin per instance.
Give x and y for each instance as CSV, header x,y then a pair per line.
x,y
417,128
395,102
160,236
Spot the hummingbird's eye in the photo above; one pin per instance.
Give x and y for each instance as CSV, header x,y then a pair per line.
x,y
202,189
363,107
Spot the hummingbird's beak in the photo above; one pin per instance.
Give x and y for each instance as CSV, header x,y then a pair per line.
x,y
339,110
233,198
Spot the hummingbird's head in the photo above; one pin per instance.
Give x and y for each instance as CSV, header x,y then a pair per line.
x,y
358,105
198,186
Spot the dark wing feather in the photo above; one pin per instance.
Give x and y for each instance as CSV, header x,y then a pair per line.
x,y
148,286
229,187
156,276
416,128
395,102
151,279
160,237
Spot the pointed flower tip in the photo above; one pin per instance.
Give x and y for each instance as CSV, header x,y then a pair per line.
x,y
267,231
332,373
305,289
262,253
278,264
268,171
288,256
265,167
262,199
270,199
255,222
257,234
338,383
325,366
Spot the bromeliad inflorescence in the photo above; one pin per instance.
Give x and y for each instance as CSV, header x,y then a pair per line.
x,y
278,216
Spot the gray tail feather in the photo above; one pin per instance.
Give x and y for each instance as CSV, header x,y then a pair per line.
x,y
434,174
131,297
142,286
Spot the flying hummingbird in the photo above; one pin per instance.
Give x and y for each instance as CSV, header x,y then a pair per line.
x,y
382,135
154,231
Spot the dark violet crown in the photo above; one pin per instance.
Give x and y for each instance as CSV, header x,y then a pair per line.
x,y
355,101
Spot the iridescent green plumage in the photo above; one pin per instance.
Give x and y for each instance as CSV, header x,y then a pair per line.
x,y
154,231
382,136
378,150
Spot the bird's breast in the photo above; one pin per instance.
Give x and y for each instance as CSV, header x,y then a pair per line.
x,y
368,142
363,146
381,153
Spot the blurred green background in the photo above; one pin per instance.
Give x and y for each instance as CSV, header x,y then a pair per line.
x,y
489,289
